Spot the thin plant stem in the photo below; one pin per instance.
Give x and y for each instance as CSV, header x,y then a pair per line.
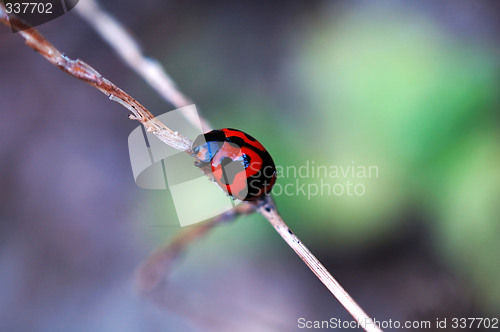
x,y
268,209
155,268
89,75
128,49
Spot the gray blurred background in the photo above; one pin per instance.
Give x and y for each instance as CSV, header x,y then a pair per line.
x,y
411,87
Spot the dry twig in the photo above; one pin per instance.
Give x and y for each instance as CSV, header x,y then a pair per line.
x,y
115,34
154,269
269,211
161,259
89,75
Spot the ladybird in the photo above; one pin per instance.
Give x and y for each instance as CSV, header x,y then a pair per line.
x,y
240,165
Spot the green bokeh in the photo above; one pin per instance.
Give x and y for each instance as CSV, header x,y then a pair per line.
x,y
397,91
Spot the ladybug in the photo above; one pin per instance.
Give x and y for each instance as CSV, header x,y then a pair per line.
x,y
240,165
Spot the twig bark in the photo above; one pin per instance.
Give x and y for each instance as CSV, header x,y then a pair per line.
x,y
162,259
89,75
128,49
156,267
268,209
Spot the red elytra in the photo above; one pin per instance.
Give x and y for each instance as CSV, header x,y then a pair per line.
x,y
240,165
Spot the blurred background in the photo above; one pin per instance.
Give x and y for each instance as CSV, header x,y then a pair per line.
x,y
410,87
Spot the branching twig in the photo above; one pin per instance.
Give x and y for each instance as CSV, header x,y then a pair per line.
x,y
160,260
115,34
269,211
153,271
89,75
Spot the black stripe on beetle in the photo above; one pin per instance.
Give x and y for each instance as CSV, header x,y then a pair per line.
x,y
229,153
